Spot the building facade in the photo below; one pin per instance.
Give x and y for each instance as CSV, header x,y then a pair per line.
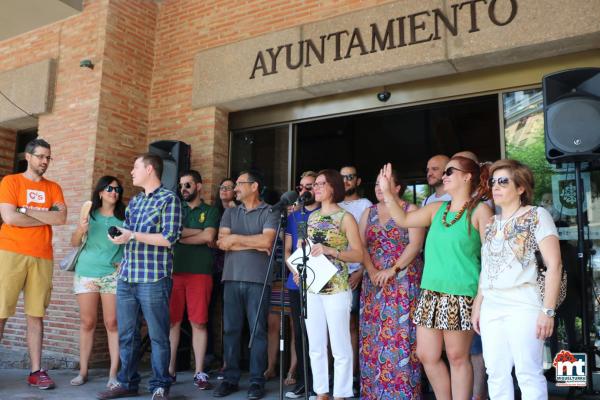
x,y
287,86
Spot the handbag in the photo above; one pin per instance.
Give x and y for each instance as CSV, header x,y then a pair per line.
x,y
542,269
70,260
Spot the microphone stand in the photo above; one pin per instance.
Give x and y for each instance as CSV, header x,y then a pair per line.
x,y
302,235
282,223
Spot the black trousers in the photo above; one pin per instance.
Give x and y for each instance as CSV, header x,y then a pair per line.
x,y
295,305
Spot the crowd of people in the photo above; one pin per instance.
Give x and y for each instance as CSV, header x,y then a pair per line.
x,y
433,291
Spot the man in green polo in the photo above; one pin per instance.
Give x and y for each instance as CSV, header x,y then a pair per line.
x,y
192,272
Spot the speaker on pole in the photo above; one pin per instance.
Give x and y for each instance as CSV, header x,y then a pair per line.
x,y
176,159
572,115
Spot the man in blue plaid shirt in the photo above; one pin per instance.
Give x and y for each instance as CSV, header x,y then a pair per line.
x,y
152,225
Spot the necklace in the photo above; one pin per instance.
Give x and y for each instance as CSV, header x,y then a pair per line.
x,y
501,226
456,217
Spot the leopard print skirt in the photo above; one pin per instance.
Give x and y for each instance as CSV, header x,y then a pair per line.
x,y
443,311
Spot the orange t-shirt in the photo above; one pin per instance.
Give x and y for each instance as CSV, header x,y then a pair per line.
x,y
19,191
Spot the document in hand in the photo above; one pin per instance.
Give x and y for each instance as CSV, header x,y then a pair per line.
x,y
319,269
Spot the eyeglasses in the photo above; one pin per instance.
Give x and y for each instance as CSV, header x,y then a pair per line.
x,y
349,177
301,187
42,157
186,185
116,189
450,170
242,182
225,188
319,184
502,181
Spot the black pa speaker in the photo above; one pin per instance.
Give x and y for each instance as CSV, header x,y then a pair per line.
x,y
572,115
176,159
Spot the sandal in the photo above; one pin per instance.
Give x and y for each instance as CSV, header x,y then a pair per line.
x,y
269,374
290,379
112,382
78,380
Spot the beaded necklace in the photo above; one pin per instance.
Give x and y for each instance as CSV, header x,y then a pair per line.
x,y
456,217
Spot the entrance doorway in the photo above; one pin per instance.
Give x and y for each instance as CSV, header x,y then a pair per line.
x,y
407,137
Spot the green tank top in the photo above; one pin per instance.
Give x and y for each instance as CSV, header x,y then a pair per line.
x,y
452,256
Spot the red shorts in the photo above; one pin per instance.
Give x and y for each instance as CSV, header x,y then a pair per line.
x,y
193,290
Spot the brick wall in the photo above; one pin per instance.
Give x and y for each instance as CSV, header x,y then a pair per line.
x,y
8,140
187,26
71,130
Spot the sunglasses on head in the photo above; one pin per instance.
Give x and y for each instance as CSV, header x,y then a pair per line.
x,y
349,177
186,185
301,187
116,189
450,170
502,181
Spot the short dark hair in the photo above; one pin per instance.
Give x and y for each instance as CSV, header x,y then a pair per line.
x,y
255,175
334,178
31,146
193,173
155,161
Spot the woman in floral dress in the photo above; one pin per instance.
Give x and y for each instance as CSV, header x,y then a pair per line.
x,y
388,363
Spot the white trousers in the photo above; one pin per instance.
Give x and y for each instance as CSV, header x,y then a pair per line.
x,y
508,338
330,312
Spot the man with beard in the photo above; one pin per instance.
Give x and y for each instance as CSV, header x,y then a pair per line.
x,y
355,205
30,205
296,224
152,226
246,234
434,171
192,273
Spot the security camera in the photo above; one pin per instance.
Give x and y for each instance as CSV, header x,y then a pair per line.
x,y
384,96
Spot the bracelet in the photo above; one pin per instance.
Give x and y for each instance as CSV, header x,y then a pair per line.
x,y
398,269
337,255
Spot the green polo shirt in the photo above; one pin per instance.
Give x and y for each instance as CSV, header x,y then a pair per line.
x,y
196,258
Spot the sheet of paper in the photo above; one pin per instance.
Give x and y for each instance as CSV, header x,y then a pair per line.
x,y
319,269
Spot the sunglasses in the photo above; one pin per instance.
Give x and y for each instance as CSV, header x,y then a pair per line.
x,y
502,181
301,187
186,185
450,170
225,188
349,177
116,189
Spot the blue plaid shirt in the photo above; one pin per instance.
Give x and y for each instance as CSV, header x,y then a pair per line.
x,y
157,212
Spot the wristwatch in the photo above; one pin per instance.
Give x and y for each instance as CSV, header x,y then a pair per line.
x,y
549,312
132,237
22,210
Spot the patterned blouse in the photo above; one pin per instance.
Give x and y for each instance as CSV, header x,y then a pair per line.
x,y
326,229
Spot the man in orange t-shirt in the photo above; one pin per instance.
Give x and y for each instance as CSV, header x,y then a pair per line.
x,y
30,205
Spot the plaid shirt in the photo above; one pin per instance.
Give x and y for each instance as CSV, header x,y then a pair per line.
x,y
157,212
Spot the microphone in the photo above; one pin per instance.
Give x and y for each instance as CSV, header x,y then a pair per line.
x,y
287,199
113,232
306,196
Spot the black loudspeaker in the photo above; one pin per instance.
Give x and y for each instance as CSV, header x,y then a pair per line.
x,y
176,159
572,115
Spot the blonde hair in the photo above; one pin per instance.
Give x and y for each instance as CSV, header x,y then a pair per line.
x,y
312,174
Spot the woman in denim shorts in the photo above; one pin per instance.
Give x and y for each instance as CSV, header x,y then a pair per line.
x,y
95,277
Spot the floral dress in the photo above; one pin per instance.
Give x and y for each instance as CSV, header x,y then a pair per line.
x,y
388,363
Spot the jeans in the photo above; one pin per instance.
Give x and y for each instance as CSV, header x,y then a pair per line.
x,y
150,300
241,299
